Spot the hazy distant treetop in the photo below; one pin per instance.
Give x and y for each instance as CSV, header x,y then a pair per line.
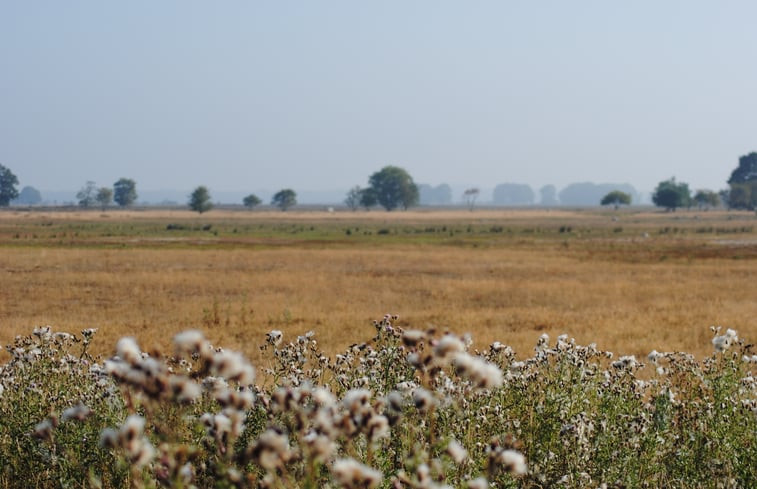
x,y
87,194
284,199
28,196
439,195
548,195
199,200
104,197
8,182
394,187
352,199
589,193
746,171
513,194
125,192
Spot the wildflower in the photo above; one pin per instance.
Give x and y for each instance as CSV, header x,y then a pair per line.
x,y
184,390
478,483
654,356
80,412
412,337
271,450
448,344
377,427
723,342
232,366
44,429
132,428
144,454
43,332
89,332
274,337
191,341
625,362
352,474
481,373
323,397
511,461
457,452
321,447
423,399
128,350
108,438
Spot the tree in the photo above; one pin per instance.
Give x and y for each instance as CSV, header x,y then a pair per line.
x,y
743,195
125,192
706,198
439,195
352,200
616,198
747,169
199,200
104,197
251,201
87,195
548,196
743,182
284,199
671,194
28,196
469,196
513,194
8,190
394,187
588,193
368,198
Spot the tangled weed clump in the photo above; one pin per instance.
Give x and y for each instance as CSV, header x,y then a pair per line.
x,y
406,409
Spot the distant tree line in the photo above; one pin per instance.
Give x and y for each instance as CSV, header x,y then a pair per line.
x,y
392,187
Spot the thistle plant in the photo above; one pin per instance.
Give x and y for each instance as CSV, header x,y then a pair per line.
x,y
407,408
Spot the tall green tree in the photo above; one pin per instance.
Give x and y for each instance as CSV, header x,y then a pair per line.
x,y
8,183
284,199
706,198
368,198
616,198
104,197
199,200
672,195
251,201
394,187
87,195
125,192
743,183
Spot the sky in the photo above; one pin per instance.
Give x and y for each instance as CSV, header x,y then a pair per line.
x,y
317,95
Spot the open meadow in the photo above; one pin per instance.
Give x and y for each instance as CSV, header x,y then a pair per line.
x,y
630,281
290,383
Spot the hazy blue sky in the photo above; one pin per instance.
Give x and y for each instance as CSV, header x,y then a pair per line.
x,y
317,95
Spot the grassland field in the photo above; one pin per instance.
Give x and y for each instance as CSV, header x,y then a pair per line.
x,y
630,280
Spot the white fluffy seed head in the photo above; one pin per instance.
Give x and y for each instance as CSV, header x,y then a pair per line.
x,y
351,474
128,350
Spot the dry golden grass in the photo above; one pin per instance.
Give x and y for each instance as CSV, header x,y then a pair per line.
x,y
626,293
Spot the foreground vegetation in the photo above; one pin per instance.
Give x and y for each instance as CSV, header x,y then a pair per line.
x,y
408,408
